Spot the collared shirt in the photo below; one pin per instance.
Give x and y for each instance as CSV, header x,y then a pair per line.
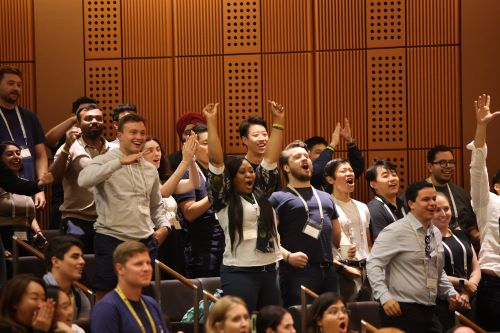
x,y
79,201
398,268
381,216
487,208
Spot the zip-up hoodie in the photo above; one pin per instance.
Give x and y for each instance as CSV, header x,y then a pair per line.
x,y
127,197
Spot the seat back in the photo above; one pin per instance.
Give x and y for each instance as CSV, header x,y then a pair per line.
x,y
176,298
368,311
210,284
27,265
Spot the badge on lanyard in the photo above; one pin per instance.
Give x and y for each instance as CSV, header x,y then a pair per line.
x,y
312,229
25,153
432,283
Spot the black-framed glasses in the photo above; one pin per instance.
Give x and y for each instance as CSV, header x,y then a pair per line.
x,y
427,240
445,163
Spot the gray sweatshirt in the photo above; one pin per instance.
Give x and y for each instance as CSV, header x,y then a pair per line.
x,y
127,197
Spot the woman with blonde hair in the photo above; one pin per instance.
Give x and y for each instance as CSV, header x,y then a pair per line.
x,y
229,315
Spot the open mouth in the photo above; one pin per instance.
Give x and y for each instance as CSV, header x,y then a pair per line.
x,y
343,326
350,181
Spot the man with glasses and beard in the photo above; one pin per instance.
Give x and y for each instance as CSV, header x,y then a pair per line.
x,y
442,166
405,267
83,142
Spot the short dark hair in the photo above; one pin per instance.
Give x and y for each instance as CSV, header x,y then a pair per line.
x,y
10,70
371,173
200,128
431,154
315,140
270,316
85,108
82,100
332,166
128,249
285,155
318,308
130,118
58,246
122,108
411,193
254,120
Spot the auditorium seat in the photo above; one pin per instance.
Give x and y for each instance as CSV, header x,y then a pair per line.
x,y
368,311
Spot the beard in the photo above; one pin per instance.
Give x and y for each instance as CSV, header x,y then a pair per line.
x,y
93,132
299,176
10,98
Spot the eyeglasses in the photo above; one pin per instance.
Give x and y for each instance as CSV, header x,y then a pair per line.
x,y
335,311
427,246
445,163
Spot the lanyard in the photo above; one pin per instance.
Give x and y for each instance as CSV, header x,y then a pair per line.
x,y
200,172
388,209
255,205
452,199
422,246
305,203
134,314
448,249
20,123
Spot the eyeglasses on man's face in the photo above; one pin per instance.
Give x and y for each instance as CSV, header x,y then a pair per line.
x,y
445,163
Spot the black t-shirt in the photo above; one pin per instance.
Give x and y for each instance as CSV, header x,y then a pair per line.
x,y
457,270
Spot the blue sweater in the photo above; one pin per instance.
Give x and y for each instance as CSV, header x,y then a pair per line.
x,y
111,315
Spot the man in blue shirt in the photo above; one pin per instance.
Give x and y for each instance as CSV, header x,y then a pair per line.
x,y
125,309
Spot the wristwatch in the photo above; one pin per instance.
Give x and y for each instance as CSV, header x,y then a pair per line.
x,y
461,284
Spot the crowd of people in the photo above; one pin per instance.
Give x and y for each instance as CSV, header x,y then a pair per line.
x,y
266,223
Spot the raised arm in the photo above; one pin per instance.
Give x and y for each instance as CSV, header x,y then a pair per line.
x,y
275,144
215,154
58,167
55,134
483,118
353,153
317,178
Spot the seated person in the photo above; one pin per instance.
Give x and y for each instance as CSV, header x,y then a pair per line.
x,y
63,313
328,314
274,319
229,315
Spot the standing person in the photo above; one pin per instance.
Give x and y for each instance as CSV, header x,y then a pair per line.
x,y
171,252
23,307
125,309
22,127
354,219
118,113
128,200
184,126
252,246
460,263
64,262
405,266
487,208
308,227
386,207
83,143
17,212
205,238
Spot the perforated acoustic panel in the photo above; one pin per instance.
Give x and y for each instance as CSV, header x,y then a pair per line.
x,y
242,91
102,29
241,26
103,81
386,98
385,22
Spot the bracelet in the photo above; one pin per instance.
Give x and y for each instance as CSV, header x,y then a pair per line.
x,y
287,256
64,151
279,127
330,147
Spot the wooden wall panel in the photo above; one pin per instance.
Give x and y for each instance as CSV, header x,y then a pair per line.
x,y
434,102
287,25
431,22
385,23
287,79
386,84
147,28
16,26
28,95
339,24
242,25
242,96
340,92
103,81
198,27
102,29
419,169
148,83
198,81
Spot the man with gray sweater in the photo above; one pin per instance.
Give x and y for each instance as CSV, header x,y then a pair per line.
x,y
128,200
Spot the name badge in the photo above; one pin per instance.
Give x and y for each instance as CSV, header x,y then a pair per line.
x,y
25,153
21,235
432,284
143,209
249,234
311,229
